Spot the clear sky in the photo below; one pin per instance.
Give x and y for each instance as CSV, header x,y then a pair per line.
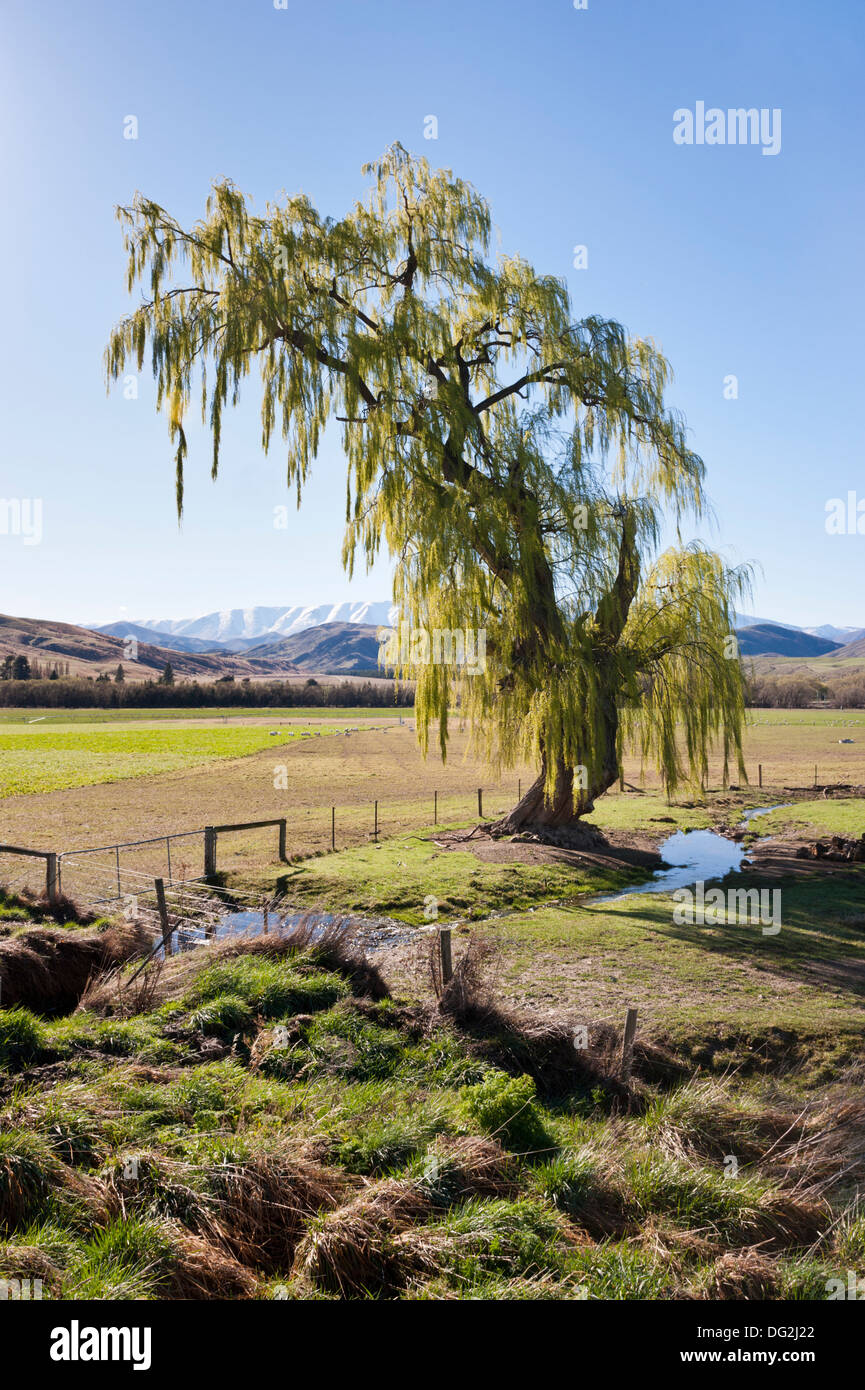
x,y
735,262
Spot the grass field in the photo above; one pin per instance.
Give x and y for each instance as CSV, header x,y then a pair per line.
x,y
694,983
408,876
299,1128
39,759
231,714
816,818
61,781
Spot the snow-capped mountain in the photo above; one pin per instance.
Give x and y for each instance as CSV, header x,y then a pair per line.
x,y
826,630
237,629
836,634
246,625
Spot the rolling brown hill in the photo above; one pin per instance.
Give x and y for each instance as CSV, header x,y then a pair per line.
x,y
774,640
90,653
852,649
331,647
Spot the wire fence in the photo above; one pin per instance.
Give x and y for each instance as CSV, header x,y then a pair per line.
x,y
107,875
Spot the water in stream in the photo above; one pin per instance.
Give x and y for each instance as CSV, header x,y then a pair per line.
x,y
373,933
692,855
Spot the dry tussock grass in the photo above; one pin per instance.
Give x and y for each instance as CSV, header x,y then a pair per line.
x,y
260,1208
202,1270
476,1166
47,969
742,1276
354,1251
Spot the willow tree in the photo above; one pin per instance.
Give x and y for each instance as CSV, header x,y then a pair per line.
x,y
518,465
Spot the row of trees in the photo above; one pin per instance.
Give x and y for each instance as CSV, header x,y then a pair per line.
x,y
21,668
798,692
109,694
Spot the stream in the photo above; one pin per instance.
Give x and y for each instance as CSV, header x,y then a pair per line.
x,y
692,856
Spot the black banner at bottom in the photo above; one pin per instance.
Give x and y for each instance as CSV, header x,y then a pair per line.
x,y
155,1339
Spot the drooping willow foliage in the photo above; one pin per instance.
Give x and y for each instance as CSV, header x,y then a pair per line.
x,y
517,464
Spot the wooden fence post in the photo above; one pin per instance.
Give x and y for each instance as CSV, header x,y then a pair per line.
x,y
51,877
333,827
435,808
628,1044
375,831
480,801
760,773
209,851
282,853
445,955
163,915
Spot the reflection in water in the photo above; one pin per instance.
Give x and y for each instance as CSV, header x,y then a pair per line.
x,y
250,923
693,855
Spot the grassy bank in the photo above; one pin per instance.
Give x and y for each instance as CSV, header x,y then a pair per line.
x,y
268,1121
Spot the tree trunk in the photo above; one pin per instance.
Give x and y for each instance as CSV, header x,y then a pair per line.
x,y
568,804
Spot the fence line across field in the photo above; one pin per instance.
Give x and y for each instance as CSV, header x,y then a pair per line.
x,y
345,831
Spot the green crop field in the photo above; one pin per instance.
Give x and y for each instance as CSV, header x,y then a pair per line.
x,y
34,758
235,714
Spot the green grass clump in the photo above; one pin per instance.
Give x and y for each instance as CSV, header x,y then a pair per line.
x,y
504,1106
623,1273
345,1045
27,1171
22,1037
273,989
128,1259
485,1236
72,1133
114,1036
222,1017
382,1144
571,1182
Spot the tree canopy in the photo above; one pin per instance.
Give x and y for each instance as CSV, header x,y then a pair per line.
x,y
516,462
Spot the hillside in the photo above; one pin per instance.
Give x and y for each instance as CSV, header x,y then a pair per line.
x,y
853,650
171,641
334,647
772,639
89,653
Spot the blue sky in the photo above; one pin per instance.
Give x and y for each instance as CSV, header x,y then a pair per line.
x,y
734,262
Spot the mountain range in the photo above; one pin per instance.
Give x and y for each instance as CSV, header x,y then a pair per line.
x,y
261,630
88,653
294,642
237,629
840,635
